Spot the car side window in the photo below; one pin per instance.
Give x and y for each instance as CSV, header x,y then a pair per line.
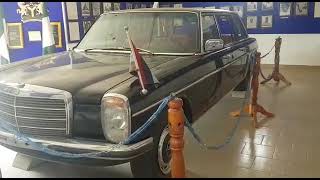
x,y
240,32
226,28
209,28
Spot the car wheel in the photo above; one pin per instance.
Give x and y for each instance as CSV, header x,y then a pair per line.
x,y
157,162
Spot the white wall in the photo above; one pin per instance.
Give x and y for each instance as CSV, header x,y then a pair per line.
x,y
296,49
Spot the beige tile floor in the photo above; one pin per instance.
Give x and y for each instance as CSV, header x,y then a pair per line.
x,y
284,146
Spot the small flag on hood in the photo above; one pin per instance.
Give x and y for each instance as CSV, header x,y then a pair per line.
x,y
4,52
48,44
139,66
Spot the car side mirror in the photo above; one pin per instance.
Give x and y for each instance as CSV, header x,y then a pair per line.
x,y
213,44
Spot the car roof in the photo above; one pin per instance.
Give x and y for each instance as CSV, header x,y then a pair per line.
x,y
173,10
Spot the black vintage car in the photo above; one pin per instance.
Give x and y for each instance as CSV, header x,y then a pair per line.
x,y
85,100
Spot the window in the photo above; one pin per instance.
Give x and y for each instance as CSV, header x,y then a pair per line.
x,y
159,32
226,28
240,32
209,28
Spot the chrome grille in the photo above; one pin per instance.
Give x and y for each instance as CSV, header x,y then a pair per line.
x,y
36,110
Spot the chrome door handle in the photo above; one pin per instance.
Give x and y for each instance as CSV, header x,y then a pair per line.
x,y
227,56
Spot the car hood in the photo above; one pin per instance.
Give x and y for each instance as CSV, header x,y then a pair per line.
x,y
87,76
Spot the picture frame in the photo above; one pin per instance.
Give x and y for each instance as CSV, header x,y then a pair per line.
x,y
285,9
316,9
72,10
301,8
116,6
266,21
177,5
107,6
74,32
252,22
56,30
136,6
252,6
85,9
238,9
96,8
86,26
267,6
128,5
15,35
143,5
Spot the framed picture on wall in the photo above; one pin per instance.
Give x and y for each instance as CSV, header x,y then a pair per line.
x,y
285,9
72,10
238,9
56,29
177,5
251,22
317,9
136,6
301,8
128,5
267,6
86,26
107,6
85,8
74,32
266,21
96,9
15,35
252,6
116,6
143,6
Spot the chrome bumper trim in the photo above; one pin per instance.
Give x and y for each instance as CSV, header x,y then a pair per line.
x,y
121,152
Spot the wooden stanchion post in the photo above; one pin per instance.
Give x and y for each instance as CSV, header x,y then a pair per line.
x,y
255,87
254,107
176,130
276,75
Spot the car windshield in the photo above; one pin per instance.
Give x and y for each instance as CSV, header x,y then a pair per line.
x,y
157,32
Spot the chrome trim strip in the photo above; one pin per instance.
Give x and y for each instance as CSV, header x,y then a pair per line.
x,y
6,104
201,33
40,108
15,112
186,87
7,113
24,117
42,128
10,123
128,52
80,144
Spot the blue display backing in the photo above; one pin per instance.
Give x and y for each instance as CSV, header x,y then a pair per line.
x,y
291,25
32,49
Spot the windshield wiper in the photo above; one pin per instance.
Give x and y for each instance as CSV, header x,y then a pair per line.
x,y
118,48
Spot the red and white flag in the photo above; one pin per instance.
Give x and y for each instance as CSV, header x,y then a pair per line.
x,y
145,75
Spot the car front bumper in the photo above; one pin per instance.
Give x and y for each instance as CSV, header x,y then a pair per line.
x,y
116,154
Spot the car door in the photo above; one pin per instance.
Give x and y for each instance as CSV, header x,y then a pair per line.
x,y
234,56
212,84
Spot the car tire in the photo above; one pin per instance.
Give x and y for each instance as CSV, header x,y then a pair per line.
x,y
155,163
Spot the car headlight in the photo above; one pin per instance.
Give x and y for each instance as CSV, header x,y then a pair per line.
x,y
115,117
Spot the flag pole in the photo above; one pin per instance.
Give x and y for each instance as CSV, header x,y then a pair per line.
x,y
48,44
144,91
